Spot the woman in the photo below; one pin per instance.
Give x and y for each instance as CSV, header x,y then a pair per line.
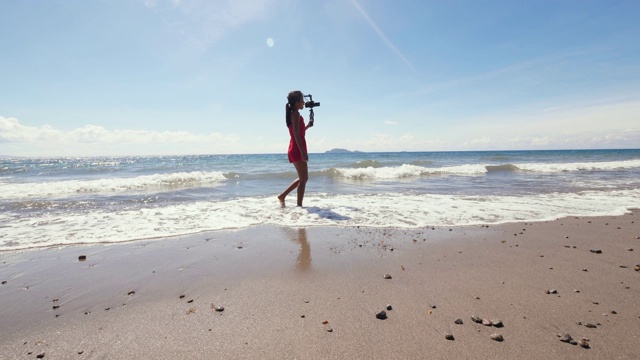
x,y
297,145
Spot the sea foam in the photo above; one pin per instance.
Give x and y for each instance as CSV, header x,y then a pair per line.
x,y
374,210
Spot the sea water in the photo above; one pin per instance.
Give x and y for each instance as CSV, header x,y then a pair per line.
x,y
84,200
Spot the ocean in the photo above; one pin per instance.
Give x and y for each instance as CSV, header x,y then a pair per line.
x,y
84,200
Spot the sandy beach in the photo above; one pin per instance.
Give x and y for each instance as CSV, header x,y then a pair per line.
x,y
296,293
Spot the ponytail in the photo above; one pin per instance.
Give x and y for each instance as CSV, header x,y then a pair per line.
x,y
288,114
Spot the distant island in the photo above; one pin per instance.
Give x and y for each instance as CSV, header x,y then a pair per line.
x,y
340,151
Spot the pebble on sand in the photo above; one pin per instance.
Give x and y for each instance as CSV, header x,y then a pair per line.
x,y
496,337
565,337
82,257
584,342
387,276
448,336
381,315
596,251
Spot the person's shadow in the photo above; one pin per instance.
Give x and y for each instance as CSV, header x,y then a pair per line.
x,y
326,213
303,262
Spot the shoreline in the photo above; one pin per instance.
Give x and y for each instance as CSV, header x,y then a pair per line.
x,y
249,228
125,300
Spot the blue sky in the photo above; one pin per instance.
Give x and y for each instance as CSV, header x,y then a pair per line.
x,y
144,77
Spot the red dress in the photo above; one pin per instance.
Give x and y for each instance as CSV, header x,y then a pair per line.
x,y
294,149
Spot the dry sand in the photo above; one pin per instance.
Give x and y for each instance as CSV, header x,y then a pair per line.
x,y
313,294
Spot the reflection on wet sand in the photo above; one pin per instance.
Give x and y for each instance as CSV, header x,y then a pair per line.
x,y
303,262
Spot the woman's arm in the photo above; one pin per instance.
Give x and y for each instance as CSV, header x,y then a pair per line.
x,y
295,122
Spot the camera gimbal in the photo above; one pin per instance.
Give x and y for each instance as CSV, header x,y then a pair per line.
x,y
310,104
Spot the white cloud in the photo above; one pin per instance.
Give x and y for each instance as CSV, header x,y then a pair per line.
x,y
96,140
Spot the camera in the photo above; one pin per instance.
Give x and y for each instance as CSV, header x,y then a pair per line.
x,y
310,104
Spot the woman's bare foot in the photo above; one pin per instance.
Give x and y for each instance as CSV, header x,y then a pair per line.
x,y
281,199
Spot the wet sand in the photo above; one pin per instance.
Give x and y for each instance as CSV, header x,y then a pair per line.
x,y
314,293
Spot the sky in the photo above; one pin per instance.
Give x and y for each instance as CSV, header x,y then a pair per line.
x,y
174,77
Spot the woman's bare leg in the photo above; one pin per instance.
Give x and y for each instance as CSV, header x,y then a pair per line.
x,y
300,182
303,176
284,194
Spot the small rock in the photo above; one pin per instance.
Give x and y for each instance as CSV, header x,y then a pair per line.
x,y
552,291
497,323
590,325
387,276
389,307
131,293
40,356
584,342
82,257
381,315
576,291
458,321
585,269
596,251
448,336
329,329
486,322
476,319
496,337
566,338
219,308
